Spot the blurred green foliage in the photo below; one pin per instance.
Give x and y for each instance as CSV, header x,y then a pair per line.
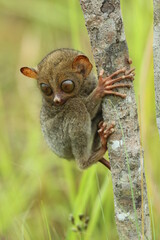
x,y
38,191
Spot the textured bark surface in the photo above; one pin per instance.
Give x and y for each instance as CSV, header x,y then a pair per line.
x,y
156,53
105,27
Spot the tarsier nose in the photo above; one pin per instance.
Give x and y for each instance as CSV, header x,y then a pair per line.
x,y
57,99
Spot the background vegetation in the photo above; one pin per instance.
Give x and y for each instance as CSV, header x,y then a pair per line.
x,y
38,191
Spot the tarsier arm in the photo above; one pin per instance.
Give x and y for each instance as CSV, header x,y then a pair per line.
x,y
82,152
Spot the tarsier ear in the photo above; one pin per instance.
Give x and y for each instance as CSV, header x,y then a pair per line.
x,y
82,65
29,72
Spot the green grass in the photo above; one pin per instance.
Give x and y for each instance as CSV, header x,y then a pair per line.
x,y
38,191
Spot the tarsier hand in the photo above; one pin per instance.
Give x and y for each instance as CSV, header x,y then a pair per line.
x,y
106,84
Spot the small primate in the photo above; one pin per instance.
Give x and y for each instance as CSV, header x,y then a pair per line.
x,y
71,115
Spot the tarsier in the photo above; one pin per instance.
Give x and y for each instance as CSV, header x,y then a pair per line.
x,y
71,115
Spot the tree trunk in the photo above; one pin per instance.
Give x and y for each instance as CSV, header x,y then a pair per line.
x,y
156,53
105,27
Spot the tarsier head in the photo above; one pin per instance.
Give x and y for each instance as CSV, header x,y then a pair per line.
x,y
60,75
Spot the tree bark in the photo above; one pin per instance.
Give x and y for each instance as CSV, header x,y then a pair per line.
x,y
156,53
105,27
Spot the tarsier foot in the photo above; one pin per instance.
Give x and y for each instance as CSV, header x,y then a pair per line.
x,y
105,85
105,132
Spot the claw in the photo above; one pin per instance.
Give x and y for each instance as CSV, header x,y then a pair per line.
x,y
105,131
100,130
130,71
100,124
112,130
129,60
113,123
104,125
101,72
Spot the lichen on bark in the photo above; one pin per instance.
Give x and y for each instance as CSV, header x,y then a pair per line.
x,y
105,27
156,53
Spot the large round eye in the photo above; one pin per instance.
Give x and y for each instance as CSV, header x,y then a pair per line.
x,y
67,86
47,90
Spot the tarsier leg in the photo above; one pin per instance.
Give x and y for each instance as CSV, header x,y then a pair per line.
x,y
104,134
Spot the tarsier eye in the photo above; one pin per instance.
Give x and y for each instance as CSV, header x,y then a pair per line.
x,y
47,90
67,86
